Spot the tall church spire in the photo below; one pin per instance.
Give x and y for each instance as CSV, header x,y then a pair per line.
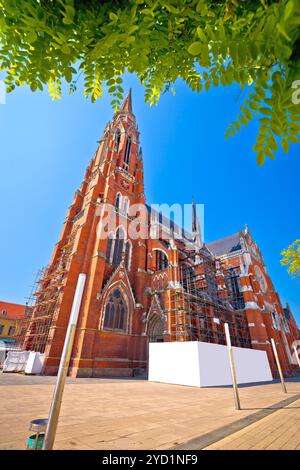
x,y
196,228
127,105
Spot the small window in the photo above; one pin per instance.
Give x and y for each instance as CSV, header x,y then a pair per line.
x,y
187,273
11,330
118,201
1,329
4,313
128,256
125,205
275,320
161,260
109,247
118,138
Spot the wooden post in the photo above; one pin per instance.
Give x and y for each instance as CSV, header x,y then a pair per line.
x,y
278,365
63,366
297,356
232,368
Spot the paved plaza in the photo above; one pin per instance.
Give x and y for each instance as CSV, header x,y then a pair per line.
x,y
278,431
137,414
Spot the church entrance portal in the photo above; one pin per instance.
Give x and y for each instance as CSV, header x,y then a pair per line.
x,y
156,329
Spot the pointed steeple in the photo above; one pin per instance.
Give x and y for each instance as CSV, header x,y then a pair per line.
x,y
194,224
196,228
140,155
127,105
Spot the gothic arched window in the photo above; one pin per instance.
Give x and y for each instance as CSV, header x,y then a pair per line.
x,y
161,260
187,274
109,247
235,295
118,201
118,138
115,311
128,255
127,153
119,242
125,205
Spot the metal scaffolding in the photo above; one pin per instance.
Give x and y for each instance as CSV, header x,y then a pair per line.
x,y
45,299
201,304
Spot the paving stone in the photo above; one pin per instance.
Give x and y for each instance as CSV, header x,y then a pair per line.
x,y
137,414
280,430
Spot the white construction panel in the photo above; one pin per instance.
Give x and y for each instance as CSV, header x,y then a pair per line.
x,y
174,363
213,364
251,363
15,361
201,364
34,363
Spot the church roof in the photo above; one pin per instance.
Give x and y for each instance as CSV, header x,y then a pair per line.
x,y
225,245
217,248
170,224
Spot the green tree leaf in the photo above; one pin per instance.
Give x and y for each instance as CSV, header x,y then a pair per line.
x,y
195,48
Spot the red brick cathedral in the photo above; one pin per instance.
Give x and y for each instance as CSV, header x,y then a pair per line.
x,y
167,287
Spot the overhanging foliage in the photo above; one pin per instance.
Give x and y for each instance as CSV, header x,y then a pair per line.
x,y
254,43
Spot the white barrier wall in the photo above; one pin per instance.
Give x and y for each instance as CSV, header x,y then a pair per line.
x,y
34,363
15,361
29,362
205,364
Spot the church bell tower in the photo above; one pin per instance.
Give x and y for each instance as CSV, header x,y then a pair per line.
x,y
108,337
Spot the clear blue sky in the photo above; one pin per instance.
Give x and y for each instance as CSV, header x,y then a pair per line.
x,y
46,146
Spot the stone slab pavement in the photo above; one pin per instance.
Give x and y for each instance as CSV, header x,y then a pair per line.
x,y
277,431
113,414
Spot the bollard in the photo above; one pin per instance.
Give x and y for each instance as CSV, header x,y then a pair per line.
x,y
296,354
35,441
232,368
278,365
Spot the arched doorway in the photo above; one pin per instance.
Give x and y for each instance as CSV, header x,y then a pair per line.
x,y
155,329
